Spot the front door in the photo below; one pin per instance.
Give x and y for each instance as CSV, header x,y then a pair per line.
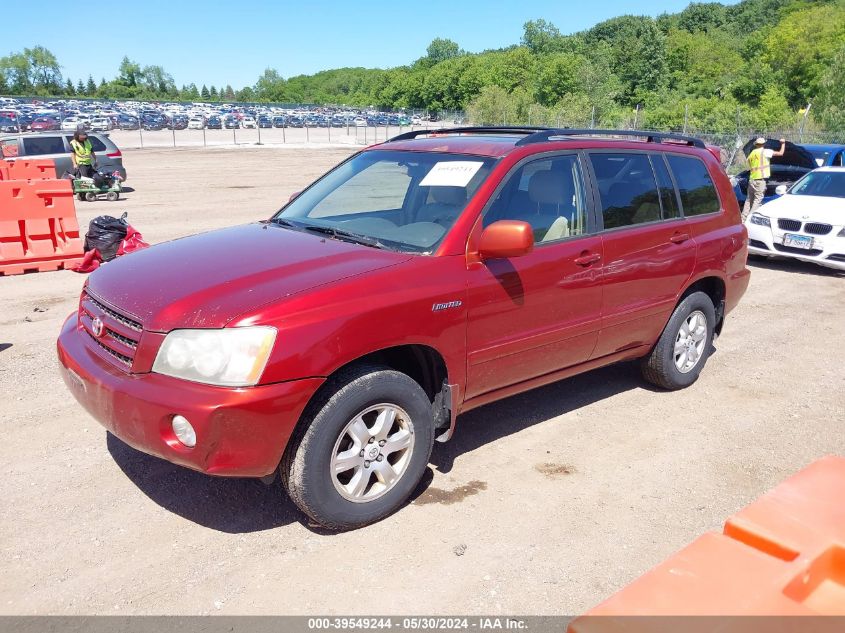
x,y
535,314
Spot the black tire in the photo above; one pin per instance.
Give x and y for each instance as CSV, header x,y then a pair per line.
x,y
306,471
90,196
112,196
659,366
81,197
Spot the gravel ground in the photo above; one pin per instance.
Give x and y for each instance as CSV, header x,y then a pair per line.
x,y
544,503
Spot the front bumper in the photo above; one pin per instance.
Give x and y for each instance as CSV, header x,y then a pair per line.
x,y
828,250
241,432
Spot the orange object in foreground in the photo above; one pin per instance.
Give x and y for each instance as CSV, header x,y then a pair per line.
x,y
783,555
24,169
38,226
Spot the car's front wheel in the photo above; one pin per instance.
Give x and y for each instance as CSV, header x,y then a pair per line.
x,y
363,447
684,346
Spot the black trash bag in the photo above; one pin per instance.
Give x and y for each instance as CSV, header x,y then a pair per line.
x,y
106,233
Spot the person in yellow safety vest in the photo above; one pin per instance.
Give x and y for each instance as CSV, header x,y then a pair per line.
x,y
760,166
82,154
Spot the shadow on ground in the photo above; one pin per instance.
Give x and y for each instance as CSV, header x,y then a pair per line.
x,y
226,504
237,506
794,266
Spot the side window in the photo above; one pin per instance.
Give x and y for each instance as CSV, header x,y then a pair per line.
x,y
698,195
546,193
39,145
668,199
96,144
9,148
627,188
839,161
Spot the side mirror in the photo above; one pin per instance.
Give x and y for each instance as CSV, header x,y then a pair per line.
x,y
506,238
781,190
294,195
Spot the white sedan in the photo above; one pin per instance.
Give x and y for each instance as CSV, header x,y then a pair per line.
x,y
806,222
248,122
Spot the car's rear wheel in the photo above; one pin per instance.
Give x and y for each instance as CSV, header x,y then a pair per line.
x,y
684,346
362,447
90,196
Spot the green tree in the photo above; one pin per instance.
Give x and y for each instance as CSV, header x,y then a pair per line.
x,y
802,46
204,94
69,87
129,73
212,94
229,94
441,49
830,103
541,37
90,87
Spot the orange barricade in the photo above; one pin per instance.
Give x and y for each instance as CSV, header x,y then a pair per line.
x,y
784,555
38,226
28,169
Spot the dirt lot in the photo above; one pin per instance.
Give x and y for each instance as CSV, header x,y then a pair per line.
x,y
544,503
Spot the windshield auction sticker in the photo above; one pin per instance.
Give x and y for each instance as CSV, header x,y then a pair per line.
x,y
453,173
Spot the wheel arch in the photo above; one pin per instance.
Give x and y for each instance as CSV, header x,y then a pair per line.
x,y
715,288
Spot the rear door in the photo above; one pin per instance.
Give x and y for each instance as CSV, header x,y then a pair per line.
x,y
535,314
649,253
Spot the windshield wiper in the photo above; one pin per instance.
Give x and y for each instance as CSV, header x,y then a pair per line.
x,y
343,235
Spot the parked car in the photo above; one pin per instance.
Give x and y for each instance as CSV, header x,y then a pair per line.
x,y
153,122
231,122
101,124
196,123
44,124
178,122
489,268
8,125
827,155
265,122
786,169
214,123
71,123
806,221
279,121
56,145
248,122
127,122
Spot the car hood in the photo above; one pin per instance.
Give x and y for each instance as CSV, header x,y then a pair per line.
x,y
807,209
207,280
795,155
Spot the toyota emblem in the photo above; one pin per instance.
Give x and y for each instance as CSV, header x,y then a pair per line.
x,y
97,327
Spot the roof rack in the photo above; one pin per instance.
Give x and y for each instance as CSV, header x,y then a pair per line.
x,y
543,134
651,137
407,136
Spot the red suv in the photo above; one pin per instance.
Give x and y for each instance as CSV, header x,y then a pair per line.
x,y
420,278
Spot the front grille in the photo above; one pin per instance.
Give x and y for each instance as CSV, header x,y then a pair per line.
x,y
789,225
836,257
121,333
812,252
814,228
758,244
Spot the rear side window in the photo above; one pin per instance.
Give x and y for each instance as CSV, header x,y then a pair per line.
x,y
627,189
96,144
668,199
698,195
39,145
9,148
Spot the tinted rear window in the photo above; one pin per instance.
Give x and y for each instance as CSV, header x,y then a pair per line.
x,y
698,195
96,144
39,145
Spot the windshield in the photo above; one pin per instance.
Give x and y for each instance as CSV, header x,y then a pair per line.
x,y
829,184
407,201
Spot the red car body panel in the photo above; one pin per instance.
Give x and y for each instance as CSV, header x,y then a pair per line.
x,y
512,324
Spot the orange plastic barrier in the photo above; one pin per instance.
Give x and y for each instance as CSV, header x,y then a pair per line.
x,y
784,555
38,226
28,169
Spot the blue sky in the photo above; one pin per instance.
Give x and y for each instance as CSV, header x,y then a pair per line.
x,y
228,42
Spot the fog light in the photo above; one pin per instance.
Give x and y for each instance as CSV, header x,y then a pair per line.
x,y
184,431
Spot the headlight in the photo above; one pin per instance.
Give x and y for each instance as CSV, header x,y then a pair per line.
x,y
231,357
762,220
